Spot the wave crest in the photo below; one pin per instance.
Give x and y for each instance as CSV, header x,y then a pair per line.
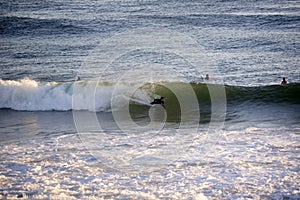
x,y
31,95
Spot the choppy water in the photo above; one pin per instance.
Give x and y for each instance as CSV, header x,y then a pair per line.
x,y
234,136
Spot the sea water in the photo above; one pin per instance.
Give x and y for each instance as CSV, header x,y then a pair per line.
x,y
234,136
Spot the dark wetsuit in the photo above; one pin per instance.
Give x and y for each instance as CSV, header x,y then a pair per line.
x,y
159,102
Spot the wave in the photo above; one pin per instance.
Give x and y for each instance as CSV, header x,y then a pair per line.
x,y
289,93
31,95
13,25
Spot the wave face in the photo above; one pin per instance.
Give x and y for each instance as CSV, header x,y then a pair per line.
x,y
30,95
265,94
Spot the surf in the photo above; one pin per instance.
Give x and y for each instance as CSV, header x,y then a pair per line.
x,y
96,96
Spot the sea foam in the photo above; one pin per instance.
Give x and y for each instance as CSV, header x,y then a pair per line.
x,y
31,95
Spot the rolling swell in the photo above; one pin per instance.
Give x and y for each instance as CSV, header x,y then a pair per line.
x,y
246,99
32,26
31,95
264,94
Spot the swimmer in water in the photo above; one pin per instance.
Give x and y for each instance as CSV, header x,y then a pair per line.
x,y
283,82
207,77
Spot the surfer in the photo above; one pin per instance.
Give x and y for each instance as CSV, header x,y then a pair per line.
x,y
283,82
78,78
160,101
207,77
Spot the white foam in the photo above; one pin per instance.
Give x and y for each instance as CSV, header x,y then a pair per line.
x,y
31,95
251,165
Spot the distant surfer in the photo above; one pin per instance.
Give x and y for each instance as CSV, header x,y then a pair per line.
x,y
207,77
283,82
78,78
160,101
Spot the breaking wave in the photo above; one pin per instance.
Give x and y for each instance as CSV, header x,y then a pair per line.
x,y
31,95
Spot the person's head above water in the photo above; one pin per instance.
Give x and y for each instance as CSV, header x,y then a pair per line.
x,y
207,77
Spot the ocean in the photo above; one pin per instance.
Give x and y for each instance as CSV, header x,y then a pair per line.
x,y
77,79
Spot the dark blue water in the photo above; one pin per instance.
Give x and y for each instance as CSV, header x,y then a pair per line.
x,y
251,42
